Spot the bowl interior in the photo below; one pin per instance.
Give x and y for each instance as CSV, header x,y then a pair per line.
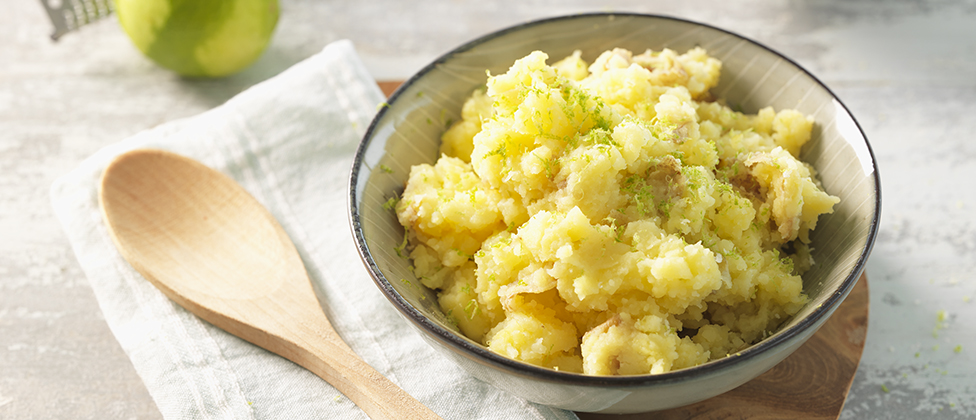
x,y
407,132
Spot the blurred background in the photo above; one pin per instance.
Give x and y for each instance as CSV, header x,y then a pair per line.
x,y
905,68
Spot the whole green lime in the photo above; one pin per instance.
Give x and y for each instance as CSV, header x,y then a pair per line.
x,y
200,38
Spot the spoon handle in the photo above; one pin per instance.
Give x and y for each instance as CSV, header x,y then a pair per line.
x,y
294,327
312,343
371,391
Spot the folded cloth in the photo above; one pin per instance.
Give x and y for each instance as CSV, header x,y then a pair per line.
x,y
289,141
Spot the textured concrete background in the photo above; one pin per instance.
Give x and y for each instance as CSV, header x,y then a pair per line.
x,y
907,70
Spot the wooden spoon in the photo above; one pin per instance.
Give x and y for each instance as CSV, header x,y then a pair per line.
x,y
209,246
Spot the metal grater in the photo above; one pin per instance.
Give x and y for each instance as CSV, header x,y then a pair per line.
x,y
68,15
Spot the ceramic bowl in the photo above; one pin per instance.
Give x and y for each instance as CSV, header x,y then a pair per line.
x,y
753,76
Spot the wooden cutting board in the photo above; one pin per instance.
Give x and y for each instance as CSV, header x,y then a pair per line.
x,y
812,383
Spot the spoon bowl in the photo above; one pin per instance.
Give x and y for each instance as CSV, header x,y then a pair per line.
x,y
208,245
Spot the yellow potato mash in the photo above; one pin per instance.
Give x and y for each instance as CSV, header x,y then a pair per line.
x,y
613,218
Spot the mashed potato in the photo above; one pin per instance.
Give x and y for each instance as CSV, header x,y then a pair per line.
x,y
613,219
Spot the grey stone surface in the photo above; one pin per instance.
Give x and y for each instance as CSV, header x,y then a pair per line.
x,y
907,69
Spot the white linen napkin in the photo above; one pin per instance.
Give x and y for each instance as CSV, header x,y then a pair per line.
x,y
289,141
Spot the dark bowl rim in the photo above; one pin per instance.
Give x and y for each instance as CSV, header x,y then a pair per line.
x,y
484,356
